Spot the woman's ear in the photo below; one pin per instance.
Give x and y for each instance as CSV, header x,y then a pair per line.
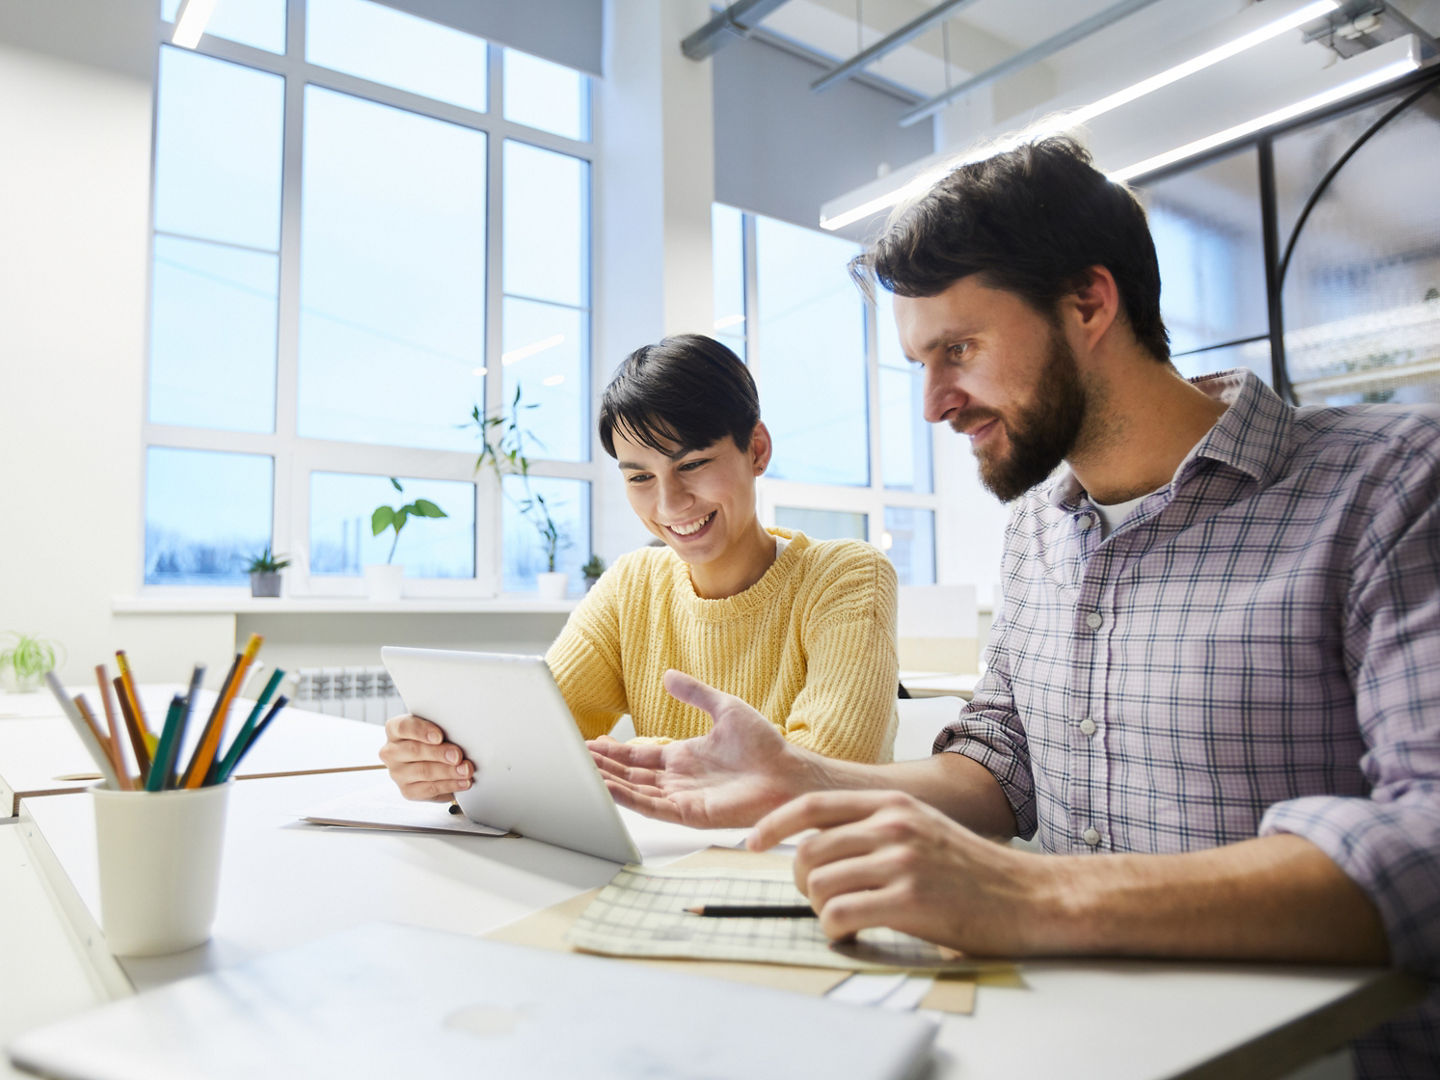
x,y
760,447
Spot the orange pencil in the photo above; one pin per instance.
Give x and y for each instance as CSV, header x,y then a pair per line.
x,y
128,676
137,739
209,744
102,677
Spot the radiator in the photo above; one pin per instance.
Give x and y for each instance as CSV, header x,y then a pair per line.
x,y
359,693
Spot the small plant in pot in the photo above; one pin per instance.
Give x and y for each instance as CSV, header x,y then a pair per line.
x,y
382,581
593,568
265,573
24,660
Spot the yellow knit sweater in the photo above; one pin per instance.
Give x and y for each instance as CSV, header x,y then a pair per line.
x,y
811,645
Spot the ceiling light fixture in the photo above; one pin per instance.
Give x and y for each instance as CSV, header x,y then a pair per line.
x,y
190,22
1065,121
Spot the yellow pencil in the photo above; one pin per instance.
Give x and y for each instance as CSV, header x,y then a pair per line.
x,y
128,678
209,745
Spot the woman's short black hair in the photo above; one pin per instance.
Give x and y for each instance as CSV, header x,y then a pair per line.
x,y
1031,221
683,393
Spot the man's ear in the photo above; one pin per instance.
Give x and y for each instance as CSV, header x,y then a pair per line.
x,y
761,448
1094,307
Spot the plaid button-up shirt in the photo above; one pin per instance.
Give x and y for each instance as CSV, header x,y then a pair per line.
x,y
1255,649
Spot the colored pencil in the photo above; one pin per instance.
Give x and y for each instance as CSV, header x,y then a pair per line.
x,y
84,730
137,740
246,729
112,721
209,745
128,677
162,770
280,703
754,911
183,781
102,739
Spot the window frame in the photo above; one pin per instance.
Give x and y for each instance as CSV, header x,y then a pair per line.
x,y
295,457
870,499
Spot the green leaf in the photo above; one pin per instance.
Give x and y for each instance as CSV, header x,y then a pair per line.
x,y
426,508
400,516
396,483
381,520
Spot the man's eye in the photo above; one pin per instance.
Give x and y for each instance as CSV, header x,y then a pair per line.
x,y
637,478
692,465
958,351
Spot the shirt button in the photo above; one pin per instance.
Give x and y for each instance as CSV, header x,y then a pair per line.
x,y
1094,621
1091,837
1087,521
1087,726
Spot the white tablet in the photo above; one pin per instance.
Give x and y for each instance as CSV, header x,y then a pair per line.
x,y
533,773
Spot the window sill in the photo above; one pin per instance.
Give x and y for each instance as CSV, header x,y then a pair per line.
x,y
337,605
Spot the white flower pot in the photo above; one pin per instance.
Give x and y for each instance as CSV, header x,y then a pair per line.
x,y
382,581
551,585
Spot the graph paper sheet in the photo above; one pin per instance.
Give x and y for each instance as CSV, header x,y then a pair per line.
x,y
642,913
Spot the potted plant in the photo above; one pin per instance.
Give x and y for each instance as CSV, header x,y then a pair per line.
x,y
593,568
503,448
25,659
265,573
382,581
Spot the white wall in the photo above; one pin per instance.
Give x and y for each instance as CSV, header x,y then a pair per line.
x,y
75,120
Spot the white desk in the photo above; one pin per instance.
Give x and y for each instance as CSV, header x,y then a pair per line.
x,y
40,754
286,883
923,684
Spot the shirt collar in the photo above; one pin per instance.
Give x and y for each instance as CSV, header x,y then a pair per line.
x,y
1253,435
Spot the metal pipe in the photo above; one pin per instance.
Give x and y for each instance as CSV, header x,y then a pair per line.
x,y
1048,47
736,21
889,43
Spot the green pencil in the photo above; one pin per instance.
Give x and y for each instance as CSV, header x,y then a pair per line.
x,y
221,772
166,748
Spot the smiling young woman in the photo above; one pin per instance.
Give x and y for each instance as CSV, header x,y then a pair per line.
x,y
803,630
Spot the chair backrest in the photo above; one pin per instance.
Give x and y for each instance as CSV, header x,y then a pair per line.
x,y
938,628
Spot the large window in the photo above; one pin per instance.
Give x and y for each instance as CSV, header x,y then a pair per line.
x,y
367,226
853,456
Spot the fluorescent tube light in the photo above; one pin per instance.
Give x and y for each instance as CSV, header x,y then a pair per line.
x,y
190,22
1065,121
534,348
1393,70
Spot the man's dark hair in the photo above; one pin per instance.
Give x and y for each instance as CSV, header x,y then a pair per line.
x,y
684,393
1030,221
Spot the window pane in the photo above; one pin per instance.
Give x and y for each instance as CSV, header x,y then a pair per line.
x,y
568,502
811,335
1208,239
260,23
548,96
383,45
206,515
824,524
217,150
212,336
1254,355
1362,292
546,357
727,234
392,275
547,216
905,439
341,540
909,540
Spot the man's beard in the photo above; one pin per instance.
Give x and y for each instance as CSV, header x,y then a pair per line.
x,y
1040,434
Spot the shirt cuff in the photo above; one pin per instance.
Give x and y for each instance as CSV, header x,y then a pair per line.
x,y
1391,849
1010,772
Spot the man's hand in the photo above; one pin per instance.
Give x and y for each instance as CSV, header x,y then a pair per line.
x,y
731,777
423,765
883,858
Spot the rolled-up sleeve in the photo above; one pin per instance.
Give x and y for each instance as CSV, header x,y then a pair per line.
x,y
989,731
1389,842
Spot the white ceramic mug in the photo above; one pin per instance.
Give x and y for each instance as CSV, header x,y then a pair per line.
x,y
159,866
